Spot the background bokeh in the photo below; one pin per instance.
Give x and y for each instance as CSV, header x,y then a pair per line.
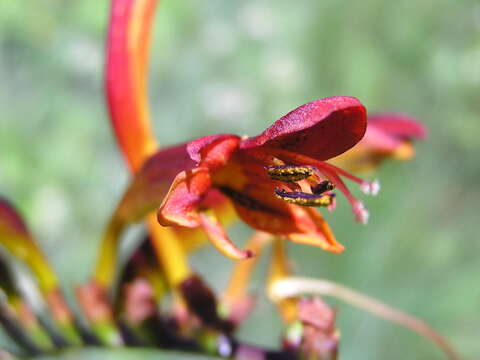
x,y
225,66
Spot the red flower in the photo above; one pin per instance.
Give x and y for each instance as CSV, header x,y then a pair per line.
x,y
268,177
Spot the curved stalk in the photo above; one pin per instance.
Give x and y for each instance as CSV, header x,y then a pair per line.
x,y
297,286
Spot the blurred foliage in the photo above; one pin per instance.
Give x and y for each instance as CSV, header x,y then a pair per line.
x,y
124,354
221,66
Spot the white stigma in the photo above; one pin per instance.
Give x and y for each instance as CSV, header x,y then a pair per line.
x,y
370,187
332,206
361,213
224,346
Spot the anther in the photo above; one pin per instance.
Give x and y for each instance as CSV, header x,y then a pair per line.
x,y
322,187
305,199
289,173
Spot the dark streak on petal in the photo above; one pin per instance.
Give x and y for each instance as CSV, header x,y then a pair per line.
x,y
243,200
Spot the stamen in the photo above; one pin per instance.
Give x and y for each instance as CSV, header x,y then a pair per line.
x,y
289,173
305,199
333,173
322,165
333,205
370,187
325,185
359,210
361,213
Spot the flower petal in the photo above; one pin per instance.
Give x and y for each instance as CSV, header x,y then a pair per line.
x,y
388,135
151,183
314,231
320,129
219,238
378,140
125,74
187,191
224,211
398,125
258,207
213,151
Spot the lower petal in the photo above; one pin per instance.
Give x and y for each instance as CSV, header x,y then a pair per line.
x,y
315,231
186,192
219,238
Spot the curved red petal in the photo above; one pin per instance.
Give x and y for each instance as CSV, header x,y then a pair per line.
x,y
187,191
125,84
151,183
214,150
167,162
398,125
320,129
217,236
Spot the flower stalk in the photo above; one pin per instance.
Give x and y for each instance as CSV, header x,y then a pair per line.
x,y
237,302
297,286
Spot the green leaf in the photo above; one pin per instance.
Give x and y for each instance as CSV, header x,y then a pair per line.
x,y
123,354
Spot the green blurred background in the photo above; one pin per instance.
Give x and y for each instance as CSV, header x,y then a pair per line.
x,y
236,66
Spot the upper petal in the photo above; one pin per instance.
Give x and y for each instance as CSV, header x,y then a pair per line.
x,y
321,129
151,183
125,73
213,151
